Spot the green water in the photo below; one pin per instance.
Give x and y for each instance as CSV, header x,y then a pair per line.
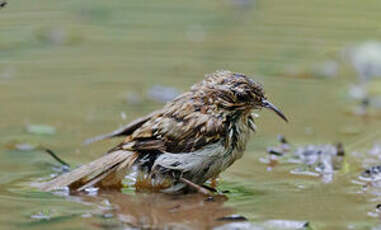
x,y
74,65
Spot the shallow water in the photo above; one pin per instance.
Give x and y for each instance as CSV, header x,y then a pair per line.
x,y
85,68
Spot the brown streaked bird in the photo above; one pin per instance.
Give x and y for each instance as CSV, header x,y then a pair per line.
x,y
191,139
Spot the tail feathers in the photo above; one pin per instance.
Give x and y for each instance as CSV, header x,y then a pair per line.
x,y
106,171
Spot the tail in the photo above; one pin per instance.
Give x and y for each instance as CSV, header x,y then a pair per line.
x,y
107,171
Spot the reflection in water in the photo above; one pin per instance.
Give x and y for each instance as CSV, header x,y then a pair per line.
x,y
76,70
162,211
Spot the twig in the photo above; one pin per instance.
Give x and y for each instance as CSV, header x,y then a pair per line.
x,y
52,154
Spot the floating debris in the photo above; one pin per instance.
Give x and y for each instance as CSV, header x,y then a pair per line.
x,y
313,154
162,93
371,174
276,152
321,159
287,224
235,217
370,177
315,160
41,129
283,148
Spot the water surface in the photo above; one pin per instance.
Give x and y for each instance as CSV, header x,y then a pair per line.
x,y
86,67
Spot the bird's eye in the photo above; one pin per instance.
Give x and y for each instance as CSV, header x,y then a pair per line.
x,y
241,96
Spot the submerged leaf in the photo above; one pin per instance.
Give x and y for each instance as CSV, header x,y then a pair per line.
x,y
41,129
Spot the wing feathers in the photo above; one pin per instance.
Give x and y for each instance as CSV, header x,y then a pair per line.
x,y
122,131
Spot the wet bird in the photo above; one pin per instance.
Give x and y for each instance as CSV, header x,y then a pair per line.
x,y
192,139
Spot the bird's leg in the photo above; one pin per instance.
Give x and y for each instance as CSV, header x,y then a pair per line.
x,y
199,188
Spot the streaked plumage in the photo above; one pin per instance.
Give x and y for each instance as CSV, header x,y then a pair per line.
x,y
196,136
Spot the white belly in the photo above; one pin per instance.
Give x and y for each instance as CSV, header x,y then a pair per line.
x,y
200,165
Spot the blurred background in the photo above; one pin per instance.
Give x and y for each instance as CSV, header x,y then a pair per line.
x,y
70,70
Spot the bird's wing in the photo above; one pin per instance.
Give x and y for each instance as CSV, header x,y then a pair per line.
x,y
122,131
178,128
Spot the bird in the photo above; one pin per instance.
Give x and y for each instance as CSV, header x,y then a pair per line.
x,y
179,147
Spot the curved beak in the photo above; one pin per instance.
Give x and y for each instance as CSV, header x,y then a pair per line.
x,y
268,105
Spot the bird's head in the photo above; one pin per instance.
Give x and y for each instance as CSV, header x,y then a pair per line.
x,y
234,91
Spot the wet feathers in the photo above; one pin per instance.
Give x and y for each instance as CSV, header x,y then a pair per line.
x,y
214,112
